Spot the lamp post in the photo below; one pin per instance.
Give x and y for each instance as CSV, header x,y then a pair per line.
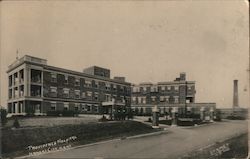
x,y
112,108
185,111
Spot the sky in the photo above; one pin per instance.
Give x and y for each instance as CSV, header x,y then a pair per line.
x,y
145,41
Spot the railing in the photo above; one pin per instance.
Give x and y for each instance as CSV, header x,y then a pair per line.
x,y
28,58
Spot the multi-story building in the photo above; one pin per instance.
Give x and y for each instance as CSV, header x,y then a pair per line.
x,y
37,87
177,95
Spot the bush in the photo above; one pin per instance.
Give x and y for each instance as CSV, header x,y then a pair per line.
x,y
185,122
30,112
149,120
103,119
3,113
16,123
54,113
67,113
70,113
236,117
166,122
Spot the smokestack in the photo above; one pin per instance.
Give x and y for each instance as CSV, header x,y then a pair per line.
x,y
235,98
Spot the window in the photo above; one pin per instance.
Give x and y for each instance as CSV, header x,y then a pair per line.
x,y
134,99
89,94
114,87
21,91
15,78
83,95
122,88
96,84
66,92
107,97
162,98
122,99
143,100
16,92
95,108
153,98
176,99
176,88
163,88
88,83
66,81
169,88
53,89
77,106
77,81
139,100
144,88
107,86
136,89
77,94
53,105
10,80
96,96
53,77
88,108
83,107
153,89
167,99
66,106
10,93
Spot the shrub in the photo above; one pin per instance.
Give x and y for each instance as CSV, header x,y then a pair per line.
x,y
16,123
149,120
54,113
236,117
70,113
66,113
3,113
103,119
185,122
166,122
30,112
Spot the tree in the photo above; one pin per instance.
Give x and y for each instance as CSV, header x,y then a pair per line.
x,y
3,113
16,123
141,111
136,111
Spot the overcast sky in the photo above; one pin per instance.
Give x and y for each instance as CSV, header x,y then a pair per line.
x,y
144,41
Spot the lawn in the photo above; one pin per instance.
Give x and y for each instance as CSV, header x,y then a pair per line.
x,y
22,138
44,121
236,147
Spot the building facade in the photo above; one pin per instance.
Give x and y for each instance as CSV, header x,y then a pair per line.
x,y
37,87
174,96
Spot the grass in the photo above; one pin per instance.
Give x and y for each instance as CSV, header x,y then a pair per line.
x,y
85,133
44,121
236,147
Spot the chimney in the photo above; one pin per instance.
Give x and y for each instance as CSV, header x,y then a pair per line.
x,y
235,98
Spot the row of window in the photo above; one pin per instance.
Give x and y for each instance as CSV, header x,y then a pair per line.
x,y
16,77
156,88
77,107
142,100
87,83
83,95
